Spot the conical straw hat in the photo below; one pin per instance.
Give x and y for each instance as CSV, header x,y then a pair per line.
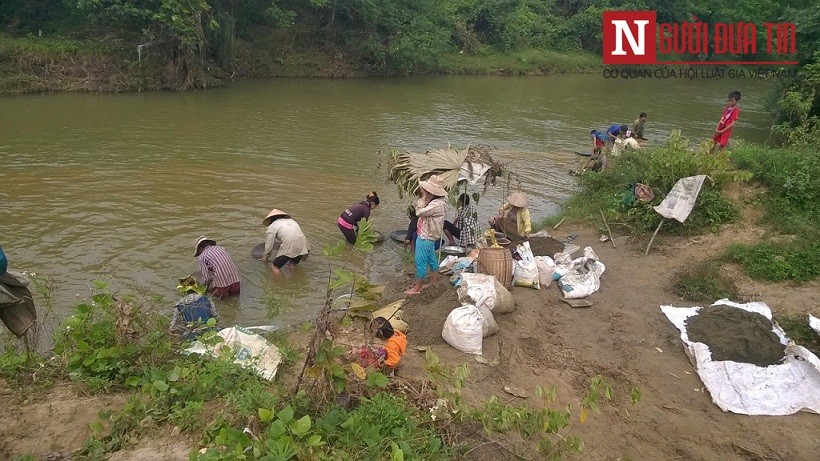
x,y
517,199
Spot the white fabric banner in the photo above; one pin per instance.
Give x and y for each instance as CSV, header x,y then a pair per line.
x,y
681,199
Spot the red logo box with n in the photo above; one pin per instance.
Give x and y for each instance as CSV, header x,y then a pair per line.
x,y
629,37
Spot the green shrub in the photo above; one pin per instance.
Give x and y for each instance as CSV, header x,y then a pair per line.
x,y
659,168
798,261
107,340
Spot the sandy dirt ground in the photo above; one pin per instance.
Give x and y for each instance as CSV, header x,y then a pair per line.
x,y
624,337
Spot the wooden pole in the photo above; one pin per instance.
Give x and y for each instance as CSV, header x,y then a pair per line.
x,y
653,236
559,223
607,228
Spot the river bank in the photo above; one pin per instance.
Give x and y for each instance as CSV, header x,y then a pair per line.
x,y
52,64
623,337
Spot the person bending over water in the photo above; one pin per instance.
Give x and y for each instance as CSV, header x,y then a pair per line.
x,y
293,246
349,219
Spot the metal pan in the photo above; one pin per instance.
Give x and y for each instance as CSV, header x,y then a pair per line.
x,y
399,235
454,250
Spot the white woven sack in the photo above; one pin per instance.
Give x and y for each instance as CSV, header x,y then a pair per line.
x,y
464,329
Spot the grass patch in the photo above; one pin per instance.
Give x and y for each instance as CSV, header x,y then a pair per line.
x,y
659,168
704,282
797,329
798,261
53,47
792,201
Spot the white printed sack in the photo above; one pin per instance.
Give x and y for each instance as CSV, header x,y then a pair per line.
x,y
525,273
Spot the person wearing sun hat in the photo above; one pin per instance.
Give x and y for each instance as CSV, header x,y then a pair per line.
x,y
219,273
514,216
294,245
431,208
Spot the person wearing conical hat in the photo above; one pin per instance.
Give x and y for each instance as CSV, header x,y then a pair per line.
x,y
431,208
294,246
514,216
219,273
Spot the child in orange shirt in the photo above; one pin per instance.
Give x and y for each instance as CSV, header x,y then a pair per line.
x,y
395,341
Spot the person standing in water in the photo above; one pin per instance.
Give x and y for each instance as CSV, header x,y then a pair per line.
x,y
637,127
294,245
219,273
349,219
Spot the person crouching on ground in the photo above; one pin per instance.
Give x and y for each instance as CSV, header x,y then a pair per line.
x,y
293,246
431,208
514,216
395,342
598,159
349,219
465,227
192,312
219,273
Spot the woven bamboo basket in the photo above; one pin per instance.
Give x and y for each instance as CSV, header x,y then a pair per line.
x,y
497,262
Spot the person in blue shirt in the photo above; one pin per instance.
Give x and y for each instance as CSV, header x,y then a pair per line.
x,y
192,312
614,131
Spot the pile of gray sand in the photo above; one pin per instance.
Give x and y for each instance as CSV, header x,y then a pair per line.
x,y
737,335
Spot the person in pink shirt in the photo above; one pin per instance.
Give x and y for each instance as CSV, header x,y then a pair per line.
x,y
727,121
219,273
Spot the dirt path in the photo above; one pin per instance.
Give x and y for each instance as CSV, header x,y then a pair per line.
x,y
626,338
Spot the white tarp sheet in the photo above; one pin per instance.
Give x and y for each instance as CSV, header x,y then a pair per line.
x,y
814,323
250,351
748,389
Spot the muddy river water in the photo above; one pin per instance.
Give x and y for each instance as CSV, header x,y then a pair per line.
x,y
117,187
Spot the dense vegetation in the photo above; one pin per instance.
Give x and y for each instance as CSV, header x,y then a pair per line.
x,y
192,43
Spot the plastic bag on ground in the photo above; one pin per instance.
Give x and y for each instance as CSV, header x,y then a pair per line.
x,y
464,329
250,351
584,277
463,264
447,262
546,267
563,265
477,289
525,273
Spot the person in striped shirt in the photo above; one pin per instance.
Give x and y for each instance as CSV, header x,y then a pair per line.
x,y
219,273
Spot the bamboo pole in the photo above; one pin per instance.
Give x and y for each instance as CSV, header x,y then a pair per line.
x,y
653,236
608,230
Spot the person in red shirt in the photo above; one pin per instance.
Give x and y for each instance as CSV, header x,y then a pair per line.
x,y
727,121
